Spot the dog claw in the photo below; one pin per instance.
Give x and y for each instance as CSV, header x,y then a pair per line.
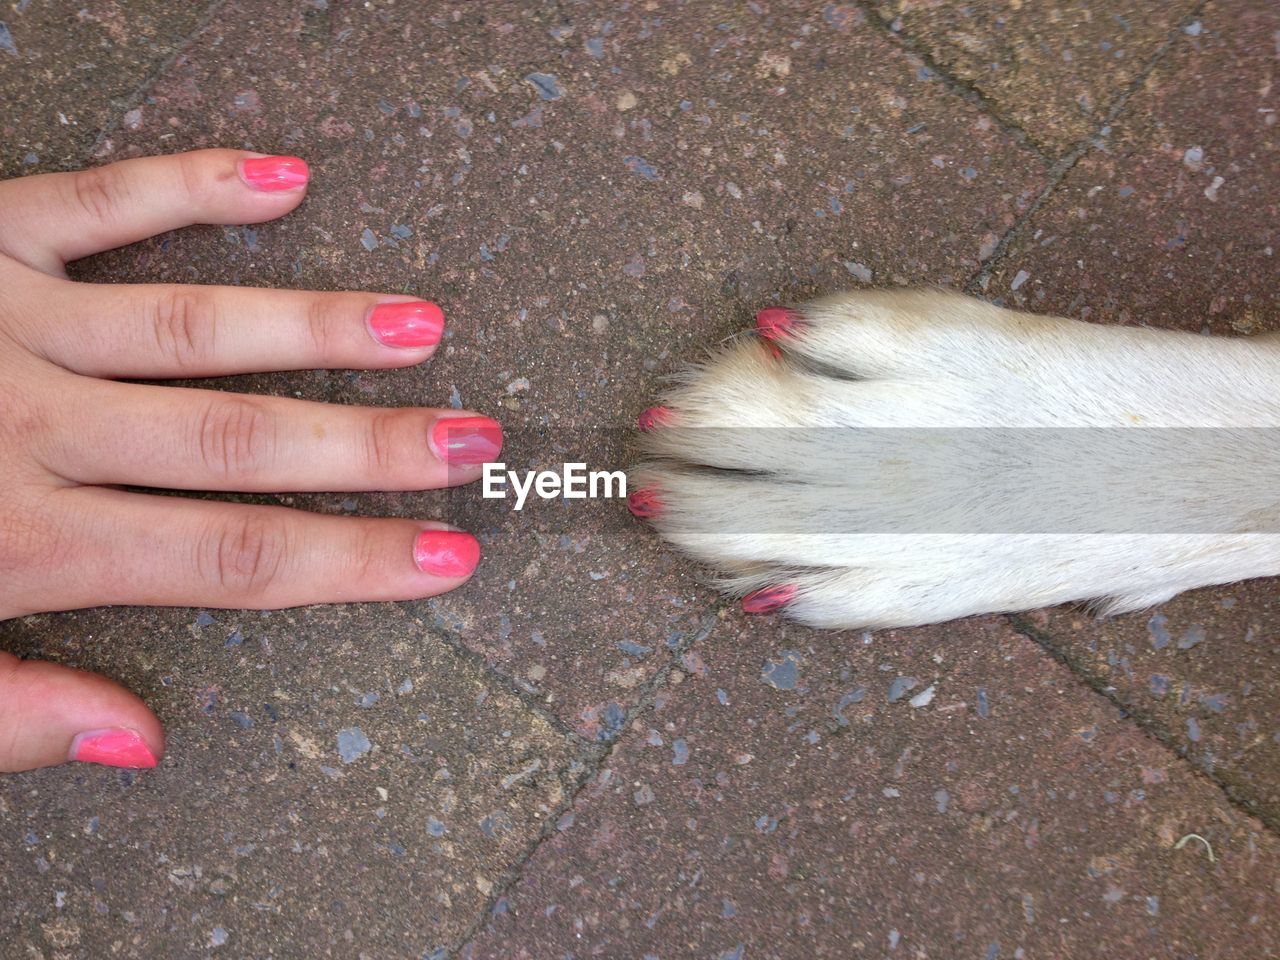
x,y
769,599
644,504
773,323
653,418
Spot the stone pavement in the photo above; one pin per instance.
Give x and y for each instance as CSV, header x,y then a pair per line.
x,y
585,753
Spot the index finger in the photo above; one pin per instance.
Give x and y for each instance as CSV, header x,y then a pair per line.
x,y
49,219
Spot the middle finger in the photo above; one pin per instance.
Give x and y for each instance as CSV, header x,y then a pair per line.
x,y
186,439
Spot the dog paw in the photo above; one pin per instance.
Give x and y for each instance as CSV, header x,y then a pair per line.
x,y
898,458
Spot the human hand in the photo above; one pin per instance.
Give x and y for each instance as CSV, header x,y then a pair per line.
x,y
70,435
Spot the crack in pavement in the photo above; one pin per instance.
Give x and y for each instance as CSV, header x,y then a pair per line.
x,y
593,759
1143,721
977,284
136,98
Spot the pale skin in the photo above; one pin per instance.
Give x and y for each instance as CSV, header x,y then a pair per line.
x,y
72,436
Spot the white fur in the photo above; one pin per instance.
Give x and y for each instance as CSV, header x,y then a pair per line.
x,y
744,500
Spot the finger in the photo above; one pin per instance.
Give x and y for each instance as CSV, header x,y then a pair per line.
x,y
166,551
49,219
50,714
157,331
185,439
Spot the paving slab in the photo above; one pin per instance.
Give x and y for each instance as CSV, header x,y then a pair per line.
x,y
1052,68
337,784
949,792
70,71
1199,671
1172,222
596,195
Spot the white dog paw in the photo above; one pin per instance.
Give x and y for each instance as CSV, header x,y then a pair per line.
x,y
898,458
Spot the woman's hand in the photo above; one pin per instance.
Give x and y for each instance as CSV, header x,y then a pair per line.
x,y
69,434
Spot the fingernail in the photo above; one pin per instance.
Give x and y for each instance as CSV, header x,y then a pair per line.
x,y
466,440
446,553
416,323
644,504
769,599
653,418
275,173
775,322
113,747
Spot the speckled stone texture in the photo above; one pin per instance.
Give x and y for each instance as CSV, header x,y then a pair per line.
x,y
71,72
1172,220
1200,672
334,776
948,793
1053,68
595,193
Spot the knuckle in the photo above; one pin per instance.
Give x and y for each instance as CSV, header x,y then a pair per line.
x,y
367,560
246,556
100,193
192,181
322,316
10,666
36,541
184,323
20,543
382,444
11,675
236,438
21,425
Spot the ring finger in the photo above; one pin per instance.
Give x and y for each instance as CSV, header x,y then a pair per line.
x,y
135,549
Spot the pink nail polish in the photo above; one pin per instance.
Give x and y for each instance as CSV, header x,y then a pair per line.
x,y
466,441
275,173
769,599
446,553
114,748
644,504
773,323
417,323
653,418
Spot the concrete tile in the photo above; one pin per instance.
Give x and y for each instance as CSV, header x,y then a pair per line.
x,y
338,783
1051,68
1139,233
950,792
1173,221
69,71
1199,672
587,234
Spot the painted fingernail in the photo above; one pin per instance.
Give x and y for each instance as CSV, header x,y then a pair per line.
x,y
467,440
769,599
116,747
417,323
275,173
775,322
653,418
446,553
644,504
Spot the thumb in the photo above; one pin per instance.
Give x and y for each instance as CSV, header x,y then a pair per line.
x,y
50,714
